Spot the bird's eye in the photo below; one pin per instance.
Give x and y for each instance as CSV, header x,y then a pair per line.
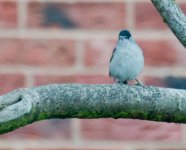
x,y
126,37
121,37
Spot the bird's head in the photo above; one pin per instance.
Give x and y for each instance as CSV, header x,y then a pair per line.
x,y
124,34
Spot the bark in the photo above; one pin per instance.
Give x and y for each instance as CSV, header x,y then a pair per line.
x,y
173,17
25,106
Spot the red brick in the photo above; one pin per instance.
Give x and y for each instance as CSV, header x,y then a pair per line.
x,y
98,52
155,81
8,15
169,81
9,82
48,129
147,17
183,7
77,15
97,79
37,52
163,52
41,80
156,53
129,130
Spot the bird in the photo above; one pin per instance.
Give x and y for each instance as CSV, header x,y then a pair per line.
x,y
127,60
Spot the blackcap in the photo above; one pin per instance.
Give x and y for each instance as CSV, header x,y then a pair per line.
x,y
127,60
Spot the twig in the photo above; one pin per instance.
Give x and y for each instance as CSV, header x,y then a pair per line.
x,y
173,16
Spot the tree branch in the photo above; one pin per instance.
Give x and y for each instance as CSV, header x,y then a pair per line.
x,y
24,106
173,16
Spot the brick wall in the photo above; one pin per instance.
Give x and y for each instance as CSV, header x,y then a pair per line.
x,y
71,41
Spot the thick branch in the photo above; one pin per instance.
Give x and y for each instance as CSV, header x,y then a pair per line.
x,y
24,106
173,16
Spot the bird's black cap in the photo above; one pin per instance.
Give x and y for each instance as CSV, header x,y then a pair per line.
x,y
125,33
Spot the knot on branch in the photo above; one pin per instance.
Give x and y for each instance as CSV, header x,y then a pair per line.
x,y
17,106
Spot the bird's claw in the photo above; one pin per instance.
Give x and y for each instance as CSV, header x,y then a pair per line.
x,y
138,83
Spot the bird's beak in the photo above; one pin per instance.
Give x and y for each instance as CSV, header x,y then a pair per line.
x,y
121,37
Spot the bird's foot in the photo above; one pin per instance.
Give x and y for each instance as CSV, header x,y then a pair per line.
x,y
138,83
125,82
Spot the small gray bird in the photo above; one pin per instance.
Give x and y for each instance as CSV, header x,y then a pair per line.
x,y
127,60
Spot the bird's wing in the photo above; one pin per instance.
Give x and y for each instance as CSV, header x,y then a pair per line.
x,y
112,54
112,58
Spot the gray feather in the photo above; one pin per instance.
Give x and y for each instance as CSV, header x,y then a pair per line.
x,y
127,61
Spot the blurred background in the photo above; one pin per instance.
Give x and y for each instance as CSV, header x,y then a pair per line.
x,y
71,41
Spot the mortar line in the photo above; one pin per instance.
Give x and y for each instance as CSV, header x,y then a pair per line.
x,y
76,132
161,72
88,144
130,15
84,34
22,16
29,80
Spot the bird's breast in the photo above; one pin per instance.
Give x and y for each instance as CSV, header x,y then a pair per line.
x,y
127,62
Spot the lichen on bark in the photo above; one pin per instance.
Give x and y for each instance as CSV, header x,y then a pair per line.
x,y
173,16
91,101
